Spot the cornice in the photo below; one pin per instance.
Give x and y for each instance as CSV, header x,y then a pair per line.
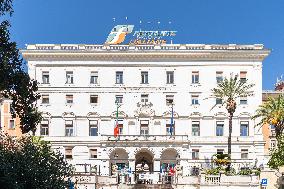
x,y
147,56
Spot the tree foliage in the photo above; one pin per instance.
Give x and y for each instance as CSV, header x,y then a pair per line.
x,y
15,83
276,160
229,90
272,112
29,163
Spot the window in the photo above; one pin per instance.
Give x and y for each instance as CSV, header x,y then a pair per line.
x,y
69,77
243,77
194,100
68,152
93,153
272,144
169,99
93,125
119,77
69,128
243,100
195,153
168,129
244,128
11,124
195,128
170,77
69,99
219,101
120,127
220,151
94,99
195,77
45,77
44,129
119,99
144,127
94,77
220,128
244,153
144,77
45,99
144,98
219,77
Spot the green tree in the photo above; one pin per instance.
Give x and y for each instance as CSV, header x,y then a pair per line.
x,y
272,113
30,163
15,83
229,90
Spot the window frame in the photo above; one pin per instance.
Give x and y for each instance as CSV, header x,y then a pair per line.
x,y
195,79
144,77
194,99
196,124
45,97
44,128
218,123
244,153
69,126
118,99
69,99
94,77
44,78
92,99
170,100
170,77
219,76
119,77
93,124
195,154
247,128
14,124
69,75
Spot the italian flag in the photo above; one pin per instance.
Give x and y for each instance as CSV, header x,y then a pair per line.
x,y
116,129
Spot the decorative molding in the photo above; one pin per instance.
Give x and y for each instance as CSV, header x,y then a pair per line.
x,y
68,115
121,114
92,115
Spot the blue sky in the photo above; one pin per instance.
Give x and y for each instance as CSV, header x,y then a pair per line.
x,y
197,21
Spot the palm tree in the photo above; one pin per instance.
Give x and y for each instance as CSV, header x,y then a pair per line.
x,y
229,90
272,112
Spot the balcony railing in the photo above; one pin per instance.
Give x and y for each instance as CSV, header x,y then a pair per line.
x,y
152,138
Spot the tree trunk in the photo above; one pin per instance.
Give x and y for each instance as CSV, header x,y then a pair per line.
x,y
230,139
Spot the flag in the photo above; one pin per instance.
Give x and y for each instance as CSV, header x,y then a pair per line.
x,y
172,121
116,129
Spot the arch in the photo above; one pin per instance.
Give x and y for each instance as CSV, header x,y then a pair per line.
x,y
144,161
169,159
118,157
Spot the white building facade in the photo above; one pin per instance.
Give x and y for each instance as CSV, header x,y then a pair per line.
x,y
80,85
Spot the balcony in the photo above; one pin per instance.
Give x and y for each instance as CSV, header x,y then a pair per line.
x,y
146,138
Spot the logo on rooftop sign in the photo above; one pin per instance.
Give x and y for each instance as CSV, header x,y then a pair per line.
x,y
141,37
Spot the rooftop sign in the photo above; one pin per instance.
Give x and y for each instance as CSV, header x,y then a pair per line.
x,y
141,37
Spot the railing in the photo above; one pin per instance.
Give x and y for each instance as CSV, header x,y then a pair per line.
x,y
177,47
152,138
212,179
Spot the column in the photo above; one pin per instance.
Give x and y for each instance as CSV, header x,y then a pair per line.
x,y
132,166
